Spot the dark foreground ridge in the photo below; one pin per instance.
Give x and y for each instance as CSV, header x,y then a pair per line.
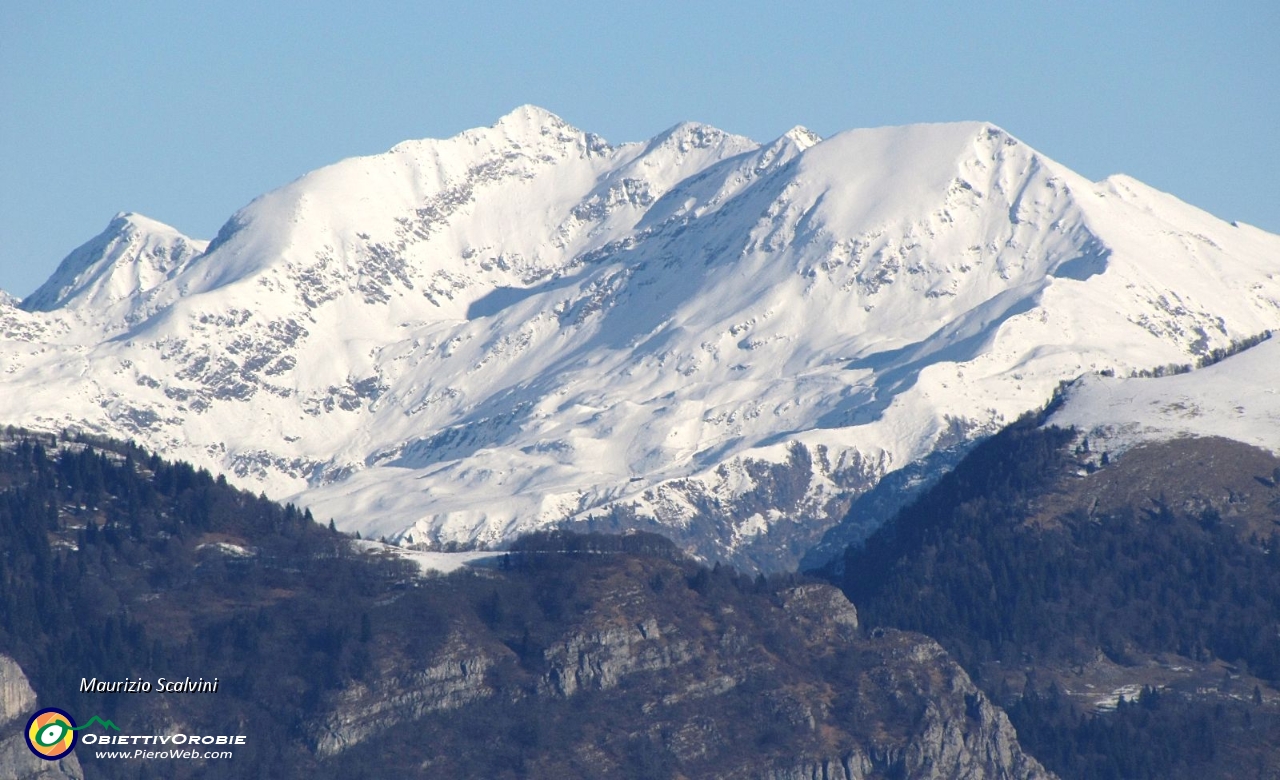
x,y
1125,612
558,662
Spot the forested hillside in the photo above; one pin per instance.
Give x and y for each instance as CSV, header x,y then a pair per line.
x,y
1068,585
573,656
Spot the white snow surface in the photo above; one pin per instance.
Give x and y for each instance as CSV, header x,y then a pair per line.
x,y
462,339
1238,398
428,561
131,257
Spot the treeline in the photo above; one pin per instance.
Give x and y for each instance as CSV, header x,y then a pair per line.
x,y
1215,355
569,542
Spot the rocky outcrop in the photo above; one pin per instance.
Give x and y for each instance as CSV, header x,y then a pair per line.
x,y
17,702
599,660
962,734
958,734
721,676
455,677
16,696
823,610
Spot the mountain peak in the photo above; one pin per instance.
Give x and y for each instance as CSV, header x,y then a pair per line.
x,y
530,114
533,122
686,137
802,137
134,220
926,143
131,255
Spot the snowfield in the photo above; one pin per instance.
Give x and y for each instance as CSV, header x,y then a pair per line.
x,y
523,325
1238,398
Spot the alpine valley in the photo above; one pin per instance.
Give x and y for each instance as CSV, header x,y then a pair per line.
x,y
729,343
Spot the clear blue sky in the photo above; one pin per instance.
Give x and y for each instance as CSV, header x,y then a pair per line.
x,y
186,111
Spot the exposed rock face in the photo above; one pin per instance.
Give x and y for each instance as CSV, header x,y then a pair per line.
x,y
17,702
454,678
599,660
776,684
970,741
16,696
823,610
961,734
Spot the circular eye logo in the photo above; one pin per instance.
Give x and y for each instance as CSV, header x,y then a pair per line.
x,y
50,734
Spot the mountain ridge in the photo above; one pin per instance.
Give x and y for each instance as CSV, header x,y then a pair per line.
x,y
459,340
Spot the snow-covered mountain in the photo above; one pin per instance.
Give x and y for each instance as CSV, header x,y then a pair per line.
x,y
132,256
462,339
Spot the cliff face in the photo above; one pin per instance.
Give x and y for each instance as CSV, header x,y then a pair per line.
x,y
707,676
957,732
452,678
962,734
17,702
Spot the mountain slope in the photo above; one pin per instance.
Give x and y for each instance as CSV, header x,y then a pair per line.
x,y
459,340
1237,398
1066,582
335,663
